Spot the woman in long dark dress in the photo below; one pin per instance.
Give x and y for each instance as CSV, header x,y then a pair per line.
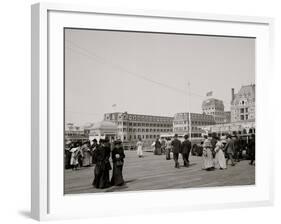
x,y
101,159
117,156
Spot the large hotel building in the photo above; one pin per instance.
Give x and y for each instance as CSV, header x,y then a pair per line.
x,y
242,113
181,123
215,108
243,104
130,127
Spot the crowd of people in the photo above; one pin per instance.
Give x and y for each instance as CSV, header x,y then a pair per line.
x,y
84,154
217,152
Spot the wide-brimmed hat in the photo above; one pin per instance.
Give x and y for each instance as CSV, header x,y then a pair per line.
x,y
117,142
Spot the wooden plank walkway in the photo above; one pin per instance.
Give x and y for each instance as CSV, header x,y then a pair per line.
x,y
154,172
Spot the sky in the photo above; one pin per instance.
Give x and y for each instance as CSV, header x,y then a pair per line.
x,y
149,73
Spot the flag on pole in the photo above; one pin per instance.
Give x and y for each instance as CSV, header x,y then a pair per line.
x,y
209,93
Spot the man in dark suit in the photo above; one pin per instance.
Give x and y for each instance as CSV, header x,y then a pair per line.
x,y
236,142
252,149
229,149
176,147
185,150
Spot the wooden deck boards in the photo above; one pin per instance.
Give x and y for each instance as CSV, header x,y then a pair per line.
x,y
154,172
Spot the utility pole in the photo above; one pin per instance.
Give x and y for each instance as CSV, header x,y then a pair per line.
x,y
189,116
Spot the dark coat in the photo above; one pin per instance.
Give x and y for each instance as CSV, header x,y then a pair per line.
x,y
176,146
229,148
213,143
157,144
117,175
236,144
101,159
252,146
186,147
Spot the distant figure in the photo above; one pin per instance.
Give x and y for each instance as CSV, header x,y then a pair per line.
x,y
75,153
220,162
229,150
236,142
185,150
214,141
93,148
139,148
112,143
176,148
168,148
67,155
101,159
117,156
208,163
157,146
163,145
86,154
252,149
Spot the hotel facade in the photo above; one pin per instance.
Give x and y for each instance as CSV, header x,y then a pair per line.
x,y
243,104
215,108
181,123
131,127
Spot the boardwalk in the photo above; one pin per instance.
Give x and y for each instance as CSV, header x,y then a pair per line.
x,y
155,172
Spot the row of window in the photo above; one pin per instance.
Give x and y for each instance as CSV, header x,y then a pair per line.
x,y
214,108
244,103
144,124
76,135
186,128
138,117
194,122
144,130
244,117
244,110
215,113
135,137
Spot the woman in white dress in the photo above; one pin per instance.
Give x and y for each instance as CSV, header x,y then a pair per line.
x,y
139,148
208,162
220,162
75,152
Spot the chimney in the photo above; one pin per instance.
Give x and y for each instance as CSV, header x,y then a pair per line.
x,y
232,94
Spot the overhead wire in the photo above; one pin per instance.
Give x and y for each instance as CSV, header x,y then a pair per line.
x,y
95,57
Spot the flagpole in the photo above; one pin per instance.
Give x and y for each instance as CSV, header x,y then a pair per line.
x,y
189,116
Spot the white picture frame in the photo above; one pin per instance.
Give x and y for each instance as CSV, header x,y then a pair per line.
x,y
48,201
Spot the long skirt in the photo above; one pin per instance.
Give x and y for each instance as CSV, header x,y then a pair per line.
x,y
73,160
117,176
139,151
167,152
87,159
67,159
101,179
158,151
220,162
208,161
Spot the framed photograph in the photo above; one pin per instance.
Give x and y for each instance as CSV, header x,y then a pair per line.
x,y
137,111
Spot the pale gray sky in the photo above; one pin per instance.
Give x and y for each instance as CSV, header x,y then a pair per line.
x,y
148,73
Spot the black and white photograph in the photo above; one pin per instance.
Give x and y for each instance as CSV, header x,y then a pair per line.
x,y
150,111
